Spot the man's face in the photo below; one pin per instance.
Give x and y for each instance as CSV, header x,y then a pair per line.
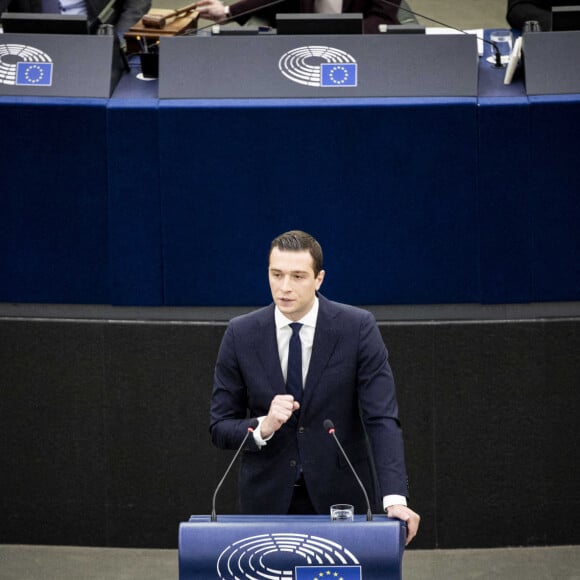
x,y
292,282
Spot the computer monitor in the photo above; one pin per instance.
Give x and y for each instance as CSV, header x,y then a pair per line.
x,y
565,17
32,23
319,23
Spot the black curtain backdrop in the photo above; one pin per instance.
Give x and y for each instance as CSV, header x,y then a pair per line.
x,y
104,430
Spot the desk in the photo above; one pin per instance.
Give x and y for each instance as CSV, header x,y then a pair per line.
x,y
416,201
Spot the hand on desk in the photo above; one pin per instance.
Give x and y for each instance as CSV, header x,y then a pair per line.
x,y
212,10
407,515
281,409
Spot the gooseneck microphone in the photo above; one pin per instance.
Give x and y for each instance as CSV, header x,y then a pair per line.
x,y
251,427
496,51
329,427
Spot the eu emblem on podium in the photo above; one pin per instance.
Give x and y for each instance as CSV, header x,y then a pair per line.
x,y
340,74
34,73
328,573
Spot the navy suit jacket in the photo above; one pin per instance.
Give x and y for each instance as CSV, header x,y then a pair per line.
x,y
349,381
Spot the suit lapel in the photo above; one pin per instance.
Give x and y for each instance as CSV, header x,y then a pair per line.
x,y
325,339
266,346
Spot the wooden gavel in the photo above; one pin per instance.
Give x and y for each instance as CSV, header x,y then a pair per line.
x,y
159,21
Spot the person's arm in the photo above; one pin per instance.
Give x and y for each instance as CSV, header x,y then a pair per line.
x,y
520,11
378,402
229,400
240,11
376,12
213,10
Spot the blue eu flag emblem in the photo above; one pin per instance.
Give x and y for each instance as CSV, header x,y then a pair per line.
x,y
338,74
37,74
328,573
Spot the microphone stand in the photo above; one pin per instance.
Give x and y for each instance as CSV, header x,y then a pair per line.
x,y
253,424
329,426
497,52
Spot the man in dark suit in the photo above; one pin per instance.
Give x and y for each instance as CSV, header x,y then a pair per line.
x,y
292,465
374,12
123,15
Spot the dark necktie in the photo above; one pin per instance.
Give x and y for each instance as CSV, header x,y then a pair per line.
x,y
294,375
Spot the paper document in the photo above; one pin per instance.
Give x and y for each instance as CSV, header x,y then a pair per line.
x,y
475,31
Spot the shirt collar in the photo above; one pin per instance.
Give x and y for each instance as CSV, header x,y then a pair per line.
x,y
308,319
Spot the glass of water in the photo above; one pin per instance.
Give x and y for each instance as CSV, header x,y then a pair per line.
x,y
503,39
342,512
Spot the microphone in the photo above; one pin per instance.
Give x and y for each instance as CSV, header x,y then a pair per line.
x,y
251,427
496,50
329,427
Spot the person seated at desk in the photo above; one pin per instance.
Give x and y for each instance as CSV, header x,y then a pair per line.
x,y
521,11
374,12
125,12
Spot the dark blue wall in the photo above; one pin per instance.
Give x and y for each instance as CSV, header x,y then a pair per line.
x,y
415,201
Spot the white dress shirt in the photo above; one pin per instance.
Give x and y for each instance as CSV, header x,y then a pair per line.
x,y
284,333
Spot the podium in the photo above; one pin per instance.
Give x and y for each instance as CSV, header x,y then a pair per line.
x,y
282,547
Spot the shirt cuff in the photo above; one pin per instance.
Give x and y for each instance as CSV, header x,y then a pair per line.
x,y
390,500
257,435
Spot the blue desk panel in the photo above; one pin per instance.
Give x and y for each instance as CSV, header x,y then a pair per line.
x,y
387,186
554,179
133,201
503,197
290,548
53,200
135,236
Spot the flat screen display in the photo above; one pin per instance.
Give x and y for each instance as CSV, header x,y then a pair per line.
x,y
32,23
319,23
565,18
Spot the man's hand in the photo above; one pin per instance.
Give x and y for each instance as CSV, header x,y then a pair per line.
x,y
405,514
211,10
281,409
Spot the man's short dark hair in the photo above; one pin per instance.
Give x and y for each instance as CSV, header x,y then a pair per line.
x,y
297,241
